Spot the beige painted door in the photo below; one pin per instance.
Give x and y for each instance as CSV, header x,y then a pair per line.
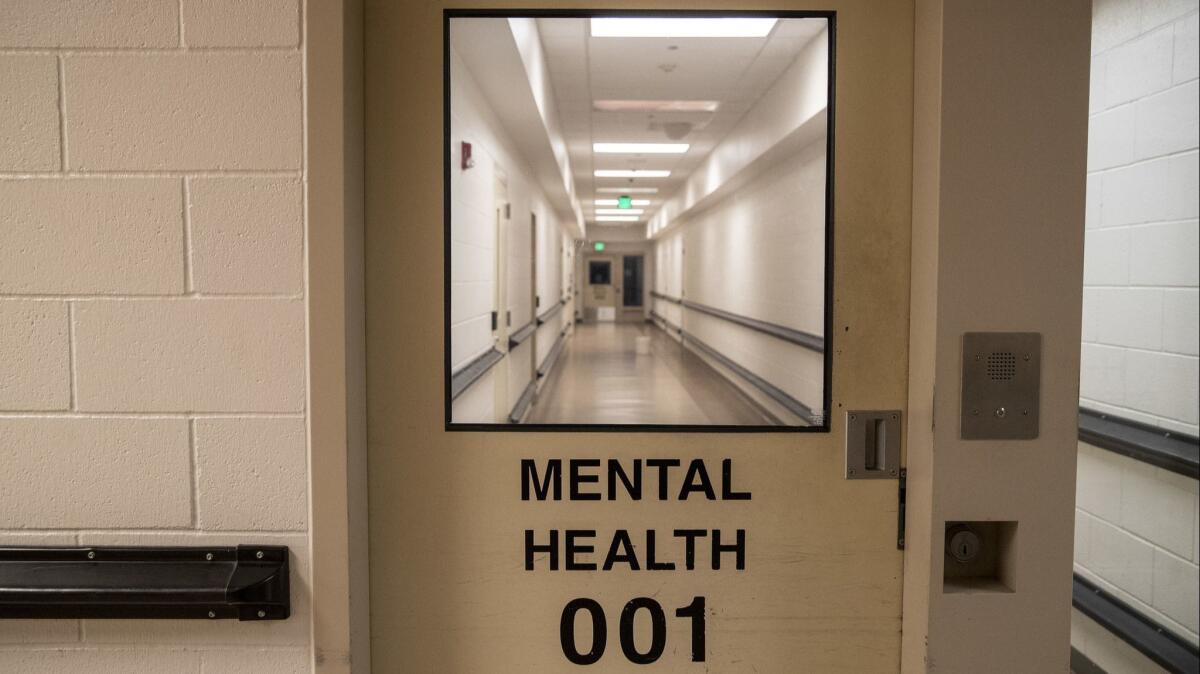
x,y
821,587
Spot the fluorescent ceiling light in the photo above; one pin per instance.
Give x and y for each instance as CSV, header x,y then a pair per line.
x,y
631,173
619,211
627,190
612,105
616,202
693,27
617,218
640,148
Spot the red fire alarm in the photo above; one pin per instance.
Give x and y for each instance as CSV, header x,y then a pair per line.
x,y
467,161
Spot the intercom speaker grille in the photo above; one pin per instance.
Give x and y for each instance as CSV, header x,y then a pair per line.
x,y
1001,366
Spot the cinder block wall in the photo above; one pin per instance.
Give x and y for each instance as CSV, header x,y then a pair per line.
x,y
152,306
1136,525
1140,300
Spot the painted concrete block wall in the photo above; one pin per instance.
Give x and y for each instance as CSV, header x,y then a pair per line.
x,y
668,276
1141,303
768,240
473,247
472,219
1107,650
1136,525
152,307
1135,535
550,244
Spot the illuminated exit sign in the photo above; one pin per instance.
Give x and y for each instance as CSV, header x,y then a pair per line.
x,y
599,246
624,201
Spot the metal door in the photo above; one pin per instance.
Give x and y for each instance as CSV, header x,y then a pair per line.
x,y
820,590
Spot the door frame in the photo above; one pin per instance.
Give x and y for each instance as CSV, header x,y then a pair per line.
x,y
339,580
335,203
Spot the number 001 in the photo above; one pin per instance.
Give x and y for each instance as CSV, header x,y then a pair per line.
x,y
658,630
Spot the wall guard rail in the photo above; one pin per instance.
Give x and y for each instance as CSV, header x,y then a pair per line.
x,y
770,390
471,372
552,356
247,582
798,337
1176,452
1148,637
554,309
515,339
523,402
668,324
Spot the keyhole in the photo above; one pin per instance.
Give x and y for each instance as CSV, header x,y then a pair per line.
x,y
963,545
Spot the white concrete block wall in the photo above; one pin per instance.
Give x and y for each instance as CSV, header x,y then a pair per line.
x,y
1136,525
152,307
1136,536
1141,358
473,249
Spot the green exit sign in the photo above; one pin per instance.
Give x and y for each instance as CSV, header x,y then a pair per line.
x,y
599,246
624,201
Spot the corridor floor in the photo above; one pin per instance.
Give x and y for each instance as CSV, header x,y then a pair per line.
x,y
601,379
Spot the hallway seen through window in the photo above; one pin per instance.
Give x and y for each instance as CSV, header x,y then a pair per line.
x,y
637,222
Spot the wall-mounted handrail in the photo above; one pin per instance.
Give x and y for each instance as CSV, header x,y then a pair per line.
x,y
523,402
798,337
471,372
1176,452
1147,636
671,326
770,390
554,309
667,298
792,335
523,333
552,356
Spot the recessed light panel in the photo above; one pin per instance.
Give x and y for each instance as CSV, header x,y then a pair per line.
x,y
613,105
619,211
631,173
691,27
640,148
627,190
617,218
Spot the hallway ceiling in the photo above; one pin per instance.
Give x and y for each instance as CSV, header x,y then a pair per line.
x,y
734,72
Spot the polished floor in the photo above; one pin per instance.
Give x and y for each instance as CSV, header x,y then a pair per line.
x,y
600,378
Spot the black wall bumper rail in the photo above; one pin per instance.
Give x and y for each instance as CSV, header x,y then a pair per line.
x,y
798,337
1155,642
1176,452
770,390
460,381
247,582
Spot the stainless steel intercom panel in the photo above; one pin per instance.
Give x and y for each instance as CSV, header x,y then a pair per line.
x,y
1001,385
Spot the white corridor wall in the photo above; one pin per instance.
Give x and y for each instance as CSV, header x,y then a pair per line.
x,y
474,204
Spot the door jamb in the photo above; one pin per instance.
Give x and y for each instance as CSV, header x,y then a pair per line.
x,y
335,313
